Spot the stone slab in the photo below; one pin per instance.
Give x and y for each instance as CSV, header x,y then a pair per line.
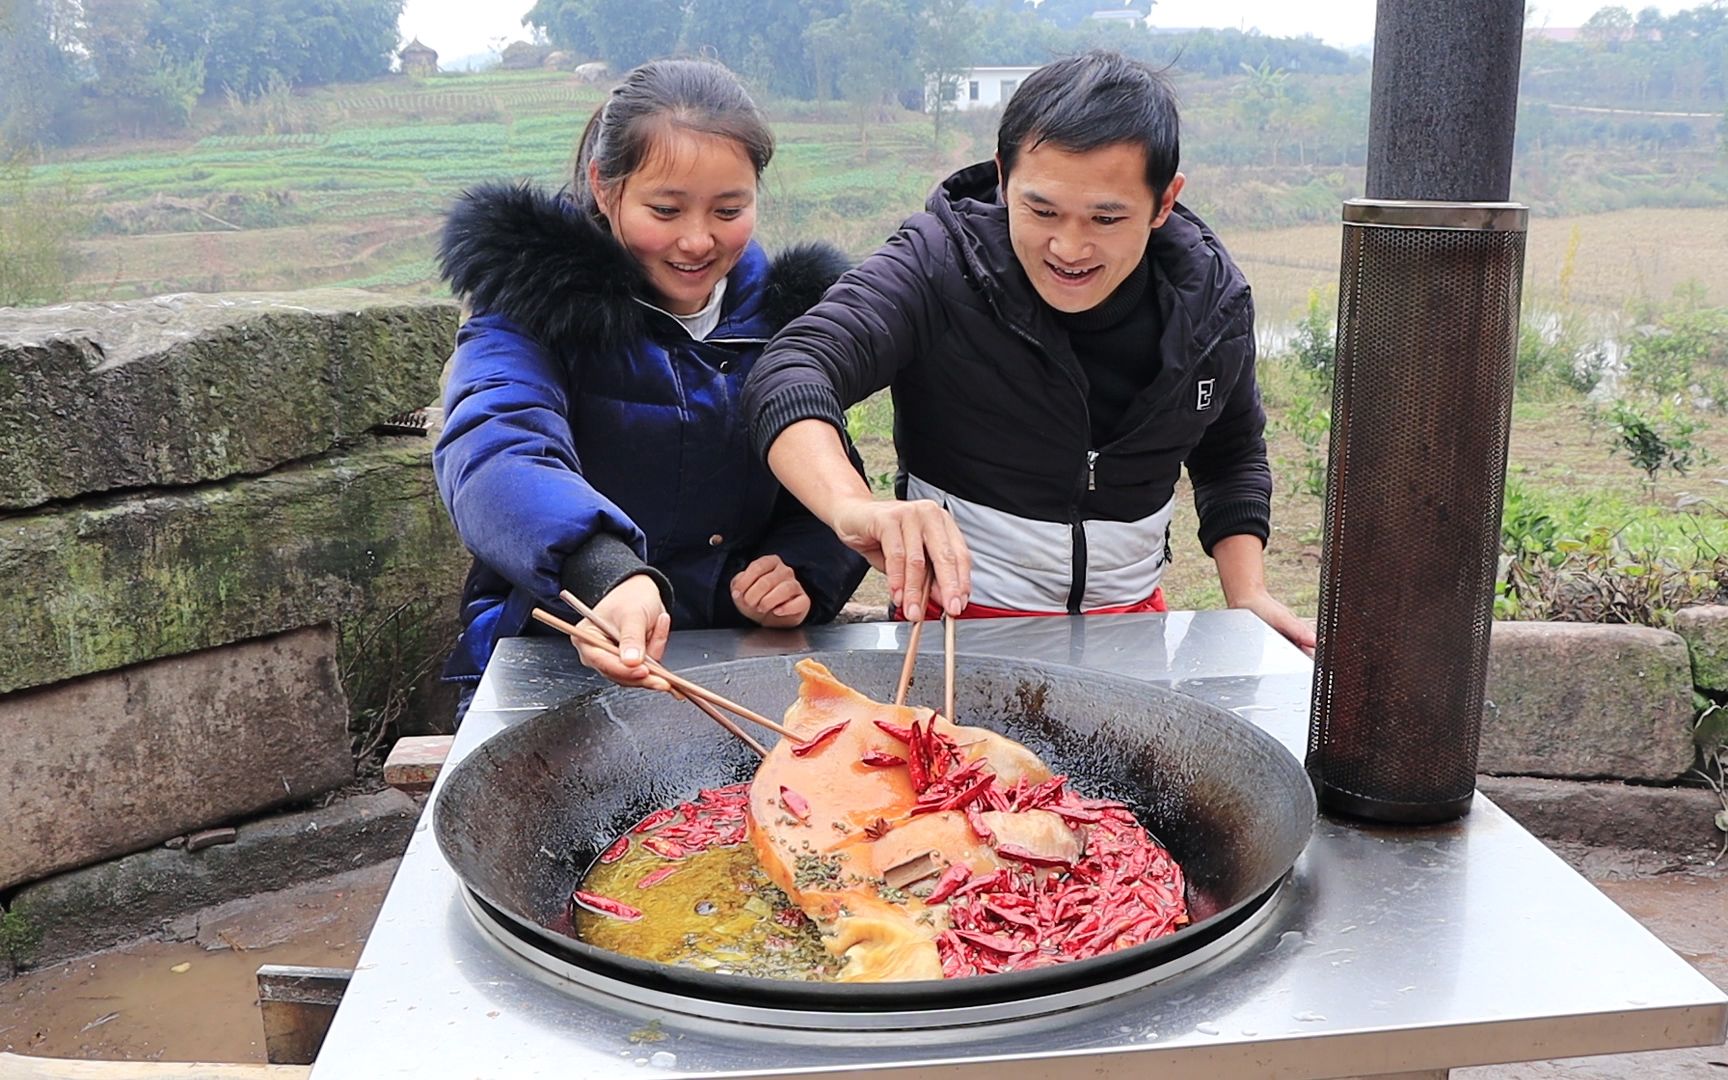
x,y
414,763
1587,701
150,893
358,538
188,388
317,908
101,766
1705,630
1674,820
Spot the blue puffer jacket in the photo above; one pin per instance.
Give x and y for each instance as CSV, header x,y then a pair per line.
x,y
585,431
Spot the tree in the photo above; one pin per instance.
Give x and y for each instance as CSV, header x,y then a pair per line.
x,y
1263,99
622,32
1069,14
763,41
134,82
1609,28
880,49
566,24
248,45
947,44
36,86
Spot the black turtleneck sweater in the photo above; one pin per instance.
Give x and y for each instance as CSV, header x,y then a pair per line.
x,y
1117,346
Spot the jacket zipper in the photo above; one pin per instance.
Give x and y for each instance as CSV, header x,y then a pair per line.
x,y
1076,526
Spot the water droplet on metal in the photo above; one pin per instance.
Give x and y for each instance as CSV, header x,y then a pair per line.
x,y
1309,1018
663,1060
1208,1028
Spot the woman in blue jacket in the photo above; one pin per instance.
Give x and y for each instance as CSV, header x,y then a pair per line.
x,y
592,435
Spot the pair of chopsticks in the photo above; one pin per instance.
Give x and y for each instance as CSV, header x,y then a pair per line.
x,y
599,633
947,665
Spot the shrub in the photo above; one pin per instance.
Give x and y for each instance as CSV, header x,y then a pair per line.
x,y
1655,443
1684,353
1314,343
38,227
1594,559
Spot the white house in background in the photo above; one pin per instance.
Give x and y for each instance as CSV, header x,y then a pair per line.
x,y
984,87
1119,16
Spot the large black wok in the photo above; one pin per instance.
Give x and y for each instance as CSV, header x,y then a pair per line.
x,y
523,816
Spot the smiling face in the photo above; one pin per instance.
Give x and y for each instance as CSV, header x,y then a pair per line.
x,y
1080,221
686,214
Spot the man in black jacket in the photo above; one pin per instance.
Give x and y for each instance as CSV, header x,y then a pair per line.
x,y
1061,338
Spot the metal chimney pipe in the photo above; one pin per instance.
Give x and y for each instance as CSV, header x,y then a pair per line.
x,y
1445,99
1428,306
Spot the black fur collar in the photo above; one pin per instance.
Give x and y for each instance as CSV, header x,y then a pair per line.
x,y
524,253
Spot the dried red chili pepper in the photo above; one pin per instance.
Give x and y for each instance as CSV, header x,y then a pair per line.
x,y
655,877
895,730
604,905
999,942
882,759
820,738
617,851
794,803
952,878
915,770
976,820
666,849
656,819
967,797
1075,815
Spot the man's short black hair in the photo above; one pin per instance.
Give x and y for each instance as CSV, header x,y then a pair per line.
x,y
1099,98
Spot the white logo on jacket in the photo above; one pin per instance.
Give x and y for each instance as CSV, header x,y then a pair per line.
x,y
1203,398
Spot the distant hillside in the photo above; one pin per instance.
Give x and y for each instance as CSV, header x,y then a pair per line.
x,y
346,184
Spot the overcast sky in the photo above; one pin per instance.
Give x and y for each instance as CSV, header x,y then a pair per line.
x,y
459,28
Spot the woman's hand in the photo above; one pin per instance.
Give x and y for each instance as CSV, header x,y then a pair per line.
x,y
635,610
768,593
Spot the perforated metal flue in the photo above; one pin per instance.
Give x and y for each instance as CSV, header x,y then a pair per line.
x,y
1421,409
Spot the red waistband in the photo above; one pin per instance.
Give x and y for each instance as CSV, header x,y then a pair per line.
x,y
1155,602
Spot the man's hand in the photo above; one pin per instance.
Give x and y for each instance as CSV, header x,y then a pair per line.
x,y
1242,572
635,610
908,541
768,593
1273,613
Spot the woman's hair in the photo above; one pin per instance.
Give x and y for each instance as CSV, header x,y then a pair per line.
x,y
695,95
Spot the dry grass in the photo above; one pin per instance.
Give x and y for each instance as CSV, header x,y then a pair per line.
x,y
290,257
1615,260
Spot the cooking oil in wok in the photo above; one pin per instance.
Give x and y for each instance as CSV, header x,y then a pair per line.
x,y
717,911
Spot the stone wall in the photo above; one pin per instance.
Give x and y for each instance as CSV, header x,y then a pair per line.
x,y
225,571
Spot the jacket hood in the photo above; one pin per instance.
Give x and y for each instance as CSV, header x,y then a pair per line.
x,y
532,256
1192,268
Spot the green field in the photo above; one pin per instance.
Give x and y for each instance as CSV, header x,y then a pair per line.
x,y
347,186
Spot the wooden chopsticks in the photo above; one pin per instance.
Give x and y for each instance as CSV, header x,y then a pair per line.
x,y
603,635
948,668
907,664
947,665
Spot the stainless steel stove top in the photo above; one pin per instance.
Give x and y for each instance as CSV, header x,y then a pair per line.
x,y
1390,951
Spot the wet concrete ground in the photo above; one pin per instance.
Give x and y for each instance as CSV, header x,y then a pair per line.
x,y
136,1003
132,1004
